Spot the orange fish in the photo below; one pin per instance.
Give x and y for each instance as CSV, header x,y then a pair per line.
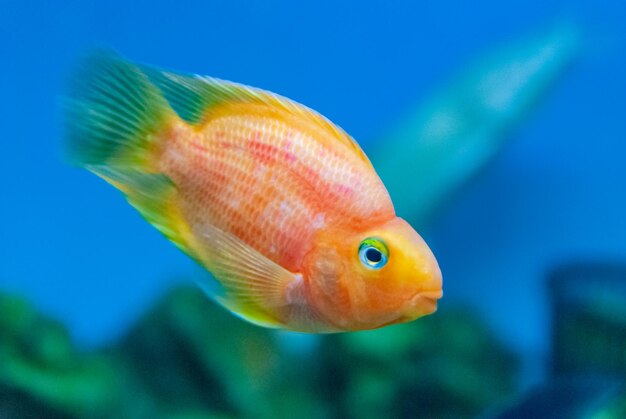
x,y
281,206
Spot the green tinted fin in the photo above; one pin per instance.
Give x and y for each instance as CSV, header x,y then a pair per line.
x,y
252,285
113,113
190,96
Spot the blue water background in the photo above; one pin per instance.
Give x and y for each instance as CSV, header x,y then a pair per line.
x,y
557,192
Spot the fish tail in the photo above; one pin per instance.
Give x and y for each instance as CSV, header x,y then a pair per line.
x,y
117,124
114,114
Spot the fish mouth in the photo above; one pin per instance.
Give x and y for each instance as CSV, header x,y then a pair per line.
x,y
424,302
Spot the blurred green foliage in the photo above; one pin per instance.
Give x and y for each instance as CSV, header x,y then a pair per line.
x,y
38,360
188,358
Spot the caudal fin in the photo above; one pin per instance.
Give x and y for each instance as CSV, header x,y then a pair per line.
x,y
115,119
114,114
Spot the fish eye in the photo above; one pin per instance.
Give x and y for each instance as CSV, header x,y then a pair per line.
x,y
373,253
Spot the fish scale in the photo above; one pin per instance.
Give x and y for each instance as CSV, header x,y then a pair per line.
x,y
266,167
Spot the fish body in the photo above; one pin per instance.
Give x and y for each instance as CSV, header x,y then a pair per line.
x,y
272,179
281,206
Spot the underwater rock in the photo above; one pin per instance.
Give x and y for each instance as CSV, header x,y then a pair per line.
x,y
588,362
589,319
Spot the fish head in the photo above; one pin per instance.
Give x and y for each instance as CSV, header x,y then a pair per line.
x,y
369,279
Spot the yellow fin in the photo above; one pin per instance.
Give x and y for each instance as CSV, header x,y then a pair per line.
x,y
248,283
251,285
155,197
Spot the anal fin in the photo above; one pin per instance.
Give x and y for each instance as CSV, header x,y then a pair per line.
x,y
155,197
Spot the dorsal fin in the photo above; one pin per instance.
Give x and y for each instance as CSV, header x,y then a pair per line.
x,y
193,96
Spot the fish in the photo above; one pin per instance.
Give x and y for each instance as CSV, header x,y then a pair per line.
x,y
280,206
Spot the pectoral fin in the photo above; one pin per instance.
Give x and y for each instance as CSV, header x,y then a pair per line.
x,y
250,284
